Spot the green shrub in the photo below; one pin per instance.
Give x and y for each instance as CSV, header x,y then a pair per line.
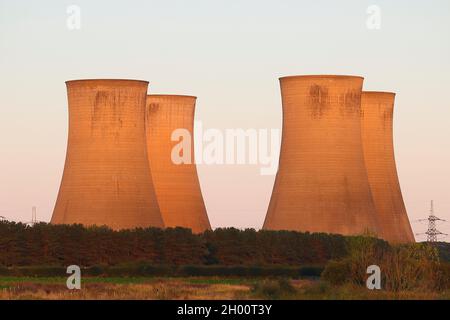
x,y
94,271
404,267
273,288
144,269
337,272
411,267
364,251
4,271
444,276
39,271
156,270
309,271
444,250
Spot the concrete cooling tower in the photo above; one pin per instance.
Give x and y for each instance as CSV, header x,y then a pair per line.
x,y
107,178
322,183
377,137
177,185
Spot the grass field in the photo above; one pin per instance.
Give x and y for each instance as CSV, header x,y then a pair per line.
x,y
192,288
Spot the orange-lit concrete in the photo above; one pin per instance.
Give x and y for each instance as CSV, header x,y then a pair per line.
x,y
107,178
322,183
177,186
377,136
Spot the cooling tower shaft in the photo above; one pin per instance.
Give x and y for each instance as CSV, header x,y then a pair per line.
x,y
177,185
377,137
321,184
107,178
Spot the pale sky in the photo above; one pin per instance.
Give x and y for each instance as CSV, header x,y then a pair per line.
x,y
230,54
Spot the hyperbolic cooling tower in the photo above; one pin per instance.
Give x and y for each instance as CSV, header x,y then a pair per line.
x,y
107,178
377,136
177,185
322,183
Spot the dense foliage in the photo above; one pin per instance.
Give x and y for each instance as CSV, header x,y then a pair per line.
x,y
62,245
405,267
142,269
444,250
45,249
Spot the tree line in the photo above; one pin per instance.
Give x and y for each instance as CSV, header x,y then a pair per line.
x,y
62,245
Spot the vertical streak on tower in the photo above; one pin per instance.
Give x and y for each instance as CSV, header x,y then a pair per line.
x,y
322,183
377,135
107,178
177,185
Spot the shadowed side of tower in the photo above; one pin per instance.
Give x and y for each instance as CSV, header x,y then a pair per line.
x,y
107,178
322,184
177,185
377,137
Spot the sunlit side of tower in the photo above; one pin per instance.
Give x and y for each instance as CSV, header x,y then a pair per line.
x,y
107,179
176,184
377,136
322,183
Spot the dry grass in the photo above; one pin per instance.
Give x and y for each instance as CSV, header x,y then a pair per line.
x,y
195,288
323,291
165,289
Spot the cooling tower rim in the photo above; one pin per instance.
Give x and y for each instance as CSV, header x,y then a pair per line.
x,y
378,93
322,76
106,81
156,95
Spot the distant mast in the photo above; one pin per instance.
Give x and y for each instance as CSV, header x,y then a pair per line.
x,y
33,216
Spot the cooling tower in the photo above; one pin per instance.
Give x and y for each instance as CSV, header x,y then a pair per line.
x,y
177,185
377,137
107,178
322,184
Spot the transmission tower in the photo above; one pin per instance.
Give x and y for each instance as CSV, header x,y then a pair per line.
x,y
433,233
33,217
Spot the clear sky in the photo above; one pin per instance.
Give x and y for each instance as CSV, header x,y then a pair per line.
x,y
230,54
